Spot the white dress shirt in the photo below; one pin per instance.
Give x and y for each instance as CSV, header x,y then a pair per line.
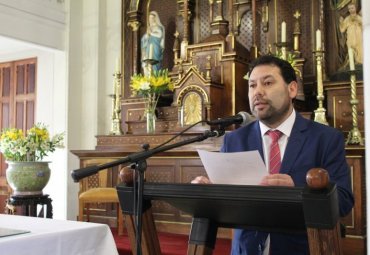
x,y
285,128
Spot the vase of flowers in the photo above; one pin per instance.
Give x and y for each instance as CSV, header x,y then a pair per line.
x,y
27,174
151,87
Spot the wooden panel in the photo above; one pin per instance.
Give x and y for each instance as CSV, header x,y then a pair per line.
x,y
6,82
31,81
17,104
19,115
25,92
30,114
20,85
5,115
339,107
355,221
354,246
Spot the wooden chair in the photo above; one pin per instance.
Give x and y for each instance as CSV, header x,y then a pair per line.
x,y
96,191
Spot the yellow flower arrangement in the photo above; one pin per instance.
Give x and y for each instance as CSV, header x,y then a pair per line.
x,y
34,146
151,87
156,83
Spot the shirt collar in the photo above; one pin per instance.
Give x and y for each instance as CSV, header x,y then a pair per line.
x,y
285,127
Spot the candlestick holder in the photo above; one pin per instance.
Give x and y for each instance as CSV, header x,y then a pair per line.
x,y
282,49
149,63
354,136
320,111
116,105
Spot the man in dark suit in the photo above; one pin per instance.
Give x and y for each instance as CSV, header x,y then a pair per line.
x,y
302,145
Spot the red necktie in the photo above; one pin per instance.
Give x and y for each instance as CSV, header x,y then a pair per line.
x,y
275,158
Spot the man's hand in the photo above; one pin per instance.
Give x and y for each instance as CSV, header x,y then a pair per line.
x,y
277,180
201,180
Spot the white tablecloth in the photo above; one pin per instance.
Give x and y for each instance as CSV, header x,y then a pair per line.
x,y
55,237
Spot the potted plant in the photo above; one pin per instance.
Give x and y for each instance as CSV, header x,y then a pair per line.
x,y
27,174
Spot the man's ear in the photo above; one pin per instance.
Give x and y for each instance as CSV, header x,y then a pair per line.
x,y
293,89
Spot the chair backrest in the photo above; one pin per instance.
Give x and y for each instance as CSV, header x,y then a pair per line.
x,y
102,179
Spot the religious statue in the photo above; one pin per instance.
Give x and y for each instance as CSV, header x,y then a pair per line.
x,y
352,26
152,44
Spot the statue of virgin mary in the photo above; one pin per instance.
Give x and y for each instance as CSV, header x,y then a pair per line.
x,y
152,44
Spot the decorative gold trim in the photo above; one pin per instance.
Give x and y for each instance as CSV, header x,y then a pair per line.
x,y
233,99
355,148
174,222
133,103
352,211
334,111
356,237
189,88
276,20
134,25
354,135
147,12
320,111
123,18
134,5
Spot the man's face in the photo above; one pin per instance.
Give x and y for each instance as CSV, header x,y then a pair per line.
x,y
270,98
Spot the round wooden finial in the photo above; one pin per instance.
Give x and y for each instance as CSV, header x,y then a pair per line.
x,y
126,174
317,178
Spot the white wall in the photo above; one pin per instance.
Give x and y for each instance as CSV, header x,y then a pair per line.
x,y
366,25
35,21
76,52
94,44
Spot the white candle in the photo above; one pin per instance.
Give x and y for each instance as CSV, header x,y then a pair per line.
x,y
151,49
118,65
318,39
351,59
283,31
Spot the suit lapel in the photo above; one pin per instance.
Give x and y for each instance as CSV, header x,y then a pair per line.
x,y
255,139
295,144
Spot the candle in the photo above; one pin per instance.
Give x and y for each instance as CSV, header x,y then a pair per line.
x,y
118,65
318,39
283,32
351,59
151,49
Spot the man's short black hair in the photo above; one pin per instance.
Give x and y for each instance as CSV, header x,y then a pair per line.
x,y
286,69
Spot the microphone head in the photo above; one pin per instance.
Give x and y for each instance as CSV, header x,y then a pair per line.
x,y
247,118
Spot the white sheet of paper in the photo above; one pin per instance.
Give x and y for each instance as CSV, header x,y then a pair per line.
x,y
244,168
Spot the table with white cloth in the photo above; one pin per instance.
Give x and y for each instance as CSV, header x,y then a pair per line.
x,y
57,237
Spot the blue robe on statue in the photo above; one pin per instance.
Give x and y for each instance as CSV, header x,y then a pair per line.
x,y
151,49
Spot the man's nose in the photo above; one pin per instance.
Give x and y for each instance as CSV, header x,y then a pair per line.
x,y
258,89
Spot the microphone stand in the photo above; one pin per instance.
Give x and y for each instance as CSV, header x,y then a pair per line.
x,y
139,159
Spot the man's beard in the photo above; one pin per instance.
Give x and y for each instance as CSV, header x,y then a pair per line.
x,y
272,115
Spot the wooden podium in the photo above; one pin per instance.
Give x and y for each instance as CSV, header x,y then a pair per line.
x,y
237,206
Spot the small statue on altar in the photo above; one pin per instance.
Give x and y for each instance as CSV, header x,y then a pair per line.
x,y
352,26
152,44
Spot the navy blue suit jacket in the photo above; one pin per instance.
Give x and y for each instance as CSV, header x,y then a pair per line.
x,y
310,145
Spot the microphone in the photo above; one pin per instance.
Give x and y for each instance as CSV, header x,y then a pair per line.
x,y
242,118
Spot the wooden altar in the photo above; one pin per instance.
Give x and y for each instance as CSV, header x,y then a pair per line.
x,y
208,47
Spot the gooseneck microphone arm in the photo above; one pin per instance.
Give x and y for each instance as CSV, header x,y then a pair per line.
x,y
135,157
